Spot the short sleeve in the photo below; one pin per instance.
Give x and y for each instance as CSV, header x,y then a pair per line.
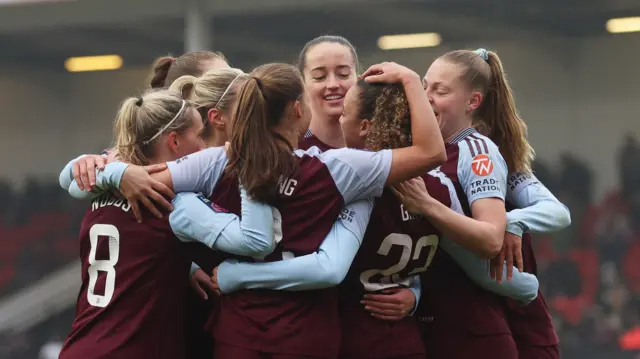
x,y
358,174
482,171
198,172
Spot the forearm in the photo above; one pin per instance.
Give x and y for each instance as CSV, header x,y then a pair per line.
x,y
473,235
523,287
326,268
543,217
106,180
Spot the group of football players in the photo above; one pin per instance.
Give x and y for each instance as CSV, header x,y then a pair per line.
x,y
314,211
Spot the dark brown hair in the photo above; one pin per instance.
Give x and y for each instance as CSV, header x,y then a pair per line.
x,y
496,117
167,69
302,57
257,155
387,107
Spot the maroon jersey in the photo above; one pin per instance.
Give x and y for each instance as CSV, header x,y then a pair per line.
x,y
134,278
451,302
305,209
397,246
311,140
531,324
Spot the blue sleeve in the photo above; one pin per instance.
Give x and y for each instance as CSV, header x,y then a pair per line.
x,y
195,218
106,180
537,209
416,289
358,174
66,176
198,172
523,287
323,269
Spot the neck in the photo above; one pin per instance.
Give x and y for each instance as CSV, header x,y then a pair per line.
x,y
449,134
327,130
216,140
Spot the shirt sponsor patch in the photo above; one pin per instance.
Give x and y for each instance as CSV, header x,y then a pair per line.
x,y
482,165
216,208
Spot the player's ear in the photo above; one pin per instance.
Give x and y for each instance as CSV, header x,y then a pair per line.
x,y
365,126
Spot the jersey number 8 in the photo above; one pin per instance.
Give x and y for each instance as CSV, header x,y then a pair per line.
x,y
103,265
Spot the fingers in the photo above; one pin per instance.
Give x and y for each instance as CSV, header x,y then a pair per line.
x,y
397,193
518,256
164,190
199,291
150,206
373,69
76,174
91,171
100,162
84,178
136,209
159,199
509,259
380,298
155,168
500,266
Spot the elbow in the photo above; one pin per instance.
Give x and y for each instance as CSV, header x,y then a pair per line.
x,y
564,218
493,247
263,248
433,159
333,278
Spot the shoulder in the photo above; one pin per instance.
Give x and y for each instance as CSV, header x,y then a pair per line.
x,y
476,145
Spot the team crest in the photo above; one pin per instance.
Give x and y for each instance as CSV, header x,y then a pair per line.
x,y
482,165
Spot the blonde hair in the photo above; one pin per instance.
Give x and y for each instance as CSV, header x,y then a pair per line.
x,y
141,121
214,89
496,117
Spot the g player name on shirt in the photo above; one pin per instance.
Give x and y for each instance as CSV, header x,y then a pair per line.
x,y
484,185
110,200
517,179
406,216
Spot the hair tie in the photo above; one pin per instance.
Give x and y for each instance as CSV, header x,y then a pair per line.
x,y
258,82
227,89
139,102
482,53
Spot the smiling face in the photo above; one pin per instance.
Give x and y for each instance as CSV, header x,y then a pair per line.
x,y
453,101
329,73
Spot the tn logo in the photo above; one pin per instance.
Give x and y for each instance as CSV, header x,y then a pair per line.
x,y
482,165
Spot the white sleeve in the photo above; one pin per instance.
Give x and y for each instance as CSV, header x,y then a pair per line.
x,y
482,171
358,174
198,172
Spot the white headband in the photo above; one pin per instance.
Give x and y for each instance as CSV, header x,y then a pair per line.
x,y
164,128
227,90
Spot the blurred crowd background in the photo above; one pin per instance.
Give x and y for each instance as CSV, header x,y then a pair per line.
x,y
573,70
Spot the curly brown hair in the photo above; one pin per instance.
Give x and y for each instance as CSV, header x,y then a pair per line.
x,y
387,107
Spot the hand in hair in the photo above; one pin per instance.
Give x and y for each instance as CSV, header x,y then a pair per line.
x,y
85,168
390,72
137,185
512,253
